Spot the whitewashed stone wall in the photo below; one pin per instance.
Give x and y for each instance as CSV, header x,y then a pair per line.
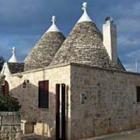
x,y
108,104
43,119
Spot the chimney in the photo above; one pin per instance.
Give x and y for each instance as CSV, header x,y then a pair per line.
x,y
110,39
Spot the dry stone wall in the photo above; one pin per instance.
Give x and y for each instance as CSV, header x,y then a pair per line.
x,y
10,126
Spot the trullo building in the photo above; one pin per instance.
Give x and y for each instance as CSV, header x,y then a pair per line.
x,y
76,87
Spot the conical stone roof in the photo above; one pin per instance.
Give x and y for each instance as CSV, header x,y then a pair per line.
x,y
44,51
84,45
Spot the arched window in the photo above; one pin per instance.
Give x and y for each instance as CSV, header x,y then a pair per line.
x,y
5,88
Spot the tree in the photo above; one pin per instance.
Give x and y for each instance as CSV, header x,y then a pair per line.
x,y
7,103
1,62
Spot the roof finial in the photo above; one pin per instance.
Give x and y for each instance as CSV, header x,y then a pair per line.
x,y
53,27
84,6
13,50
13,58
53,19
84,17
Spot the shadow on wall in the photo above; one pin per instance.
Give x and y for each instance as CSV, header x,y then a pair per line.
x,y
42,118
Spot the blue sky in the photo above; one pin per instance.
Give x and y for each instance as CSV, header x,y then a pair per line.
x,y
23,22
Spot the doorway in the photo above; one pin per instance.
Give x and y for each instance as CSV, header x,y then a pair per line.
x,y
60,112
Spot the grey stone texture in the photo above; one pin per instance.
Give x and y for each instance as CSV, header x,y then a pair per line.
x,y
15,67
84,45
44,51
10,126
110,103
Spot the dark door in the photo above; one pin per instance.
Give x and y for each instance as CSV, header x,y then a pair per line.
x,y
60,112
5,88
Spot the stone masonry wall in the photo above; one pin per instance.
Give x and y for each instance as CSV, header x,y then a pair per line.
x,y
102,102
43,119
10,126
97,102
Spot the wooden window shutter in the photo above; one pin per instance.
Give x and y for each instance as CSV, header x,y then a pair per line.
x,y
138,93
43,94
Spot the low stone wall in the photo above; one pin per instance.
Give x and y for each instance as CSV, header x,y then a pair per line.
x,y
10,126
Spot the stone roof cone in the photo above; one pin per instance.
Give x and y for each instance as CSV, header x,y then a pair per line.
x,y
84,45
13,58
44,51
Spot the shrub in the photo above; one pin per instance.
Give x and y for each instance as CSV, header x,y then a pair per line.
x,y
8,103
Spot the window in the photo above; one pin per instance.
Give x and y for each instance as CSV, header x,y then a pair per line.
x,y
43,98
138,94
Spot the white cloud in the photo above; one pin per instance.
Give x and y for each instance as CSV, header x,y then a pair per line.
x,y
134,54
131,67
129,24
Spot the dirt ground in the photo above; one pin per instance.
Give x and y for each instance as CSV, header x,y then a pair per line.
x,y
34,137
129,135
135,136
